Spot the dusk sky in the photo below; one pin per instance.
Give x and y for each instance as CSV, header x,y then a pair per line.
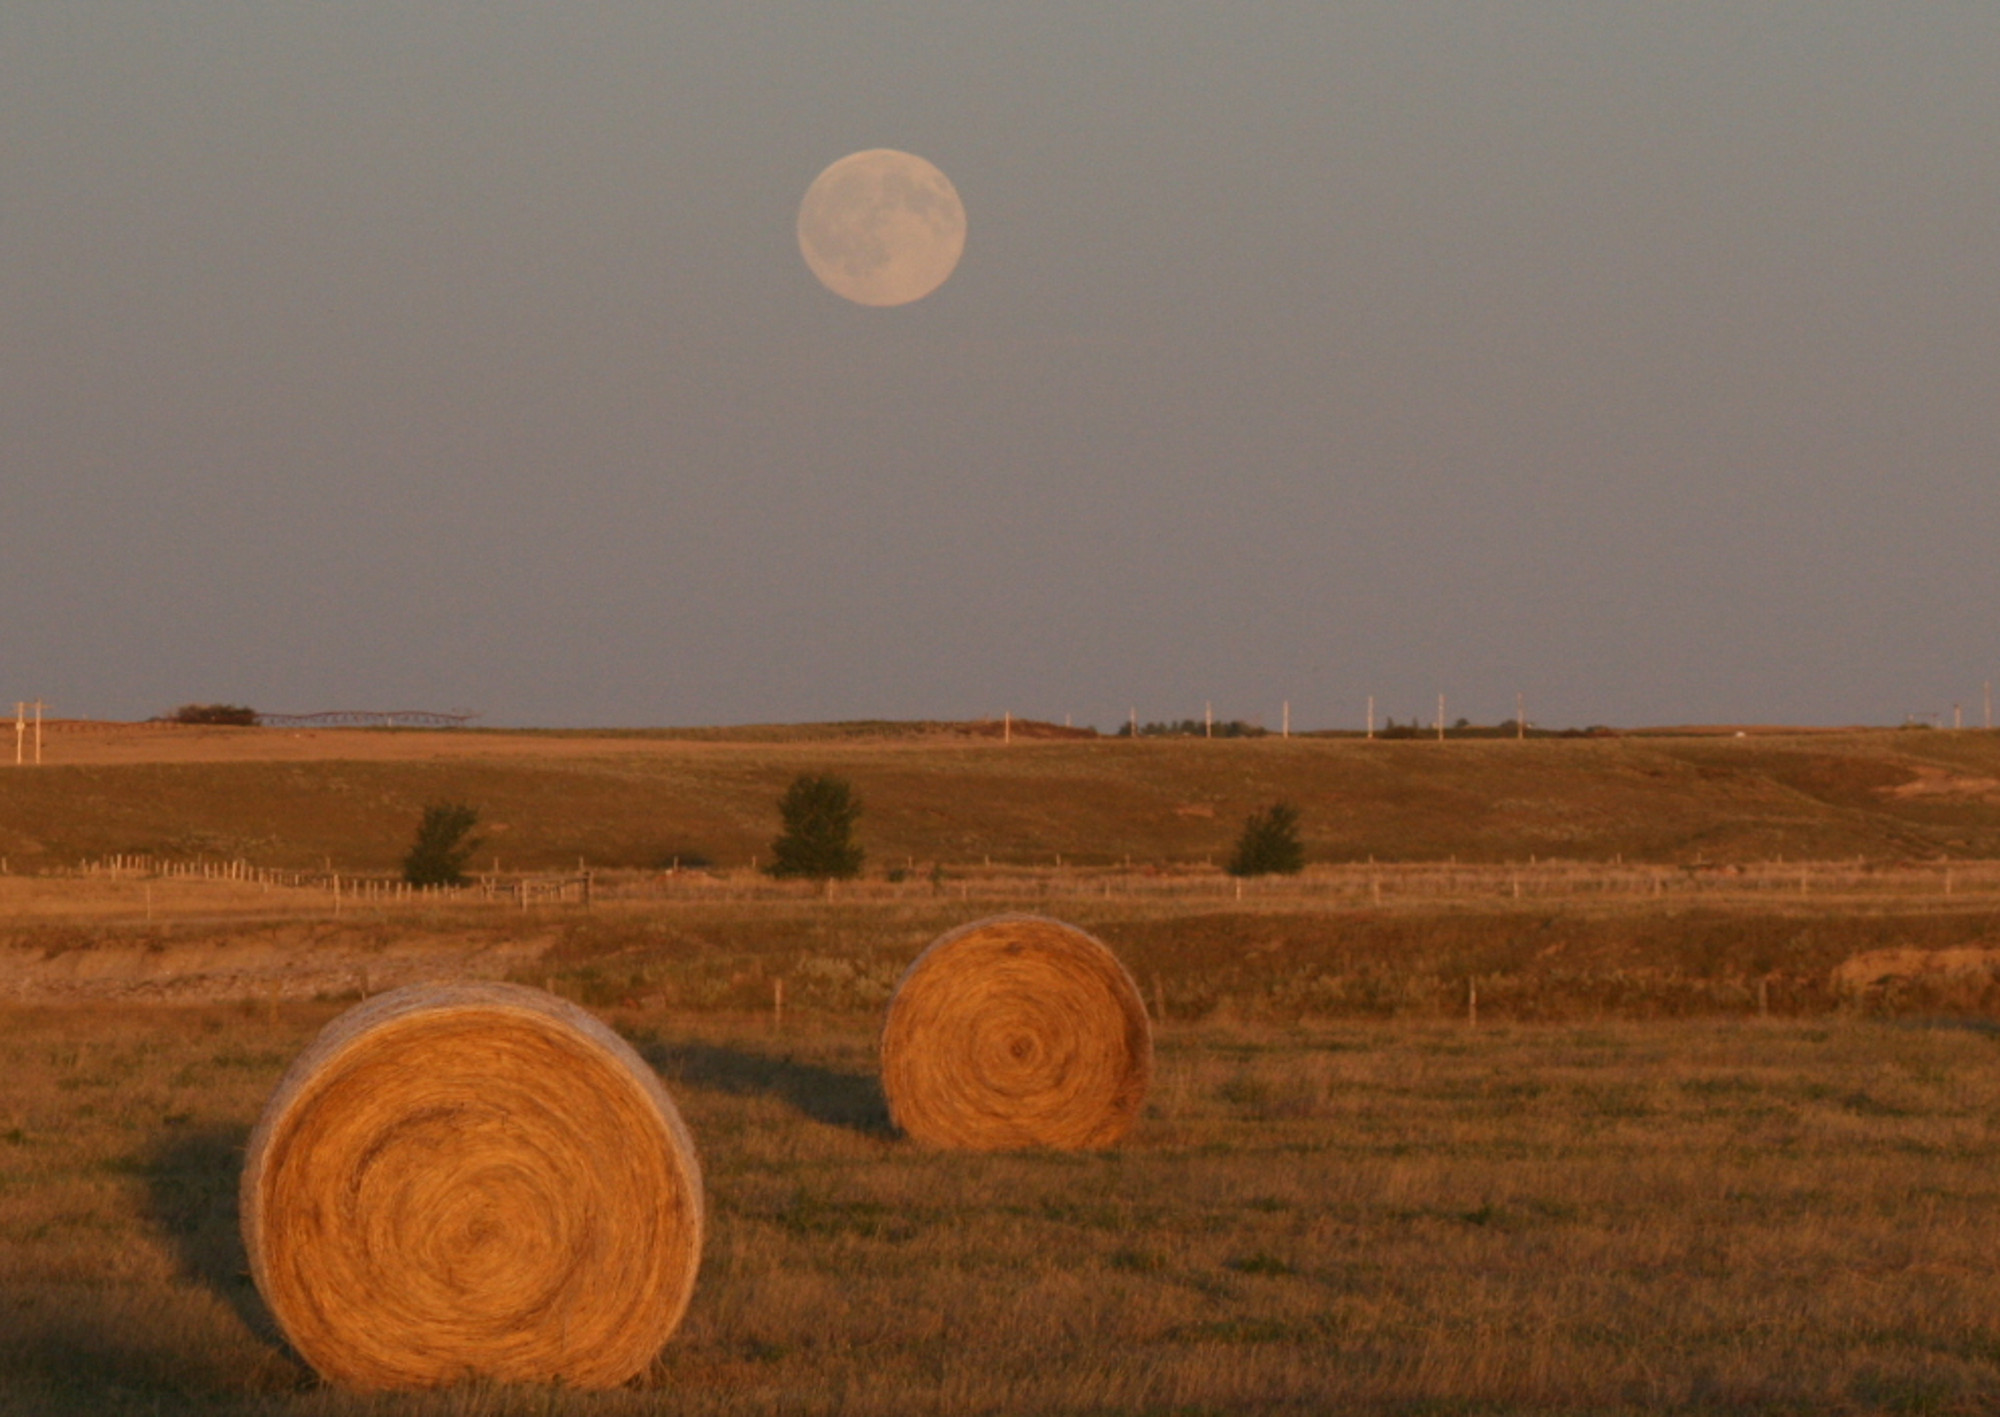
x,y
1641,359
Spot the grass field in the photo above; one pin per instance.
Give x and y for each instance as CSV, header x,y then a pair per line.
x,y
1574,945
1384,1217
1721,1139
352,799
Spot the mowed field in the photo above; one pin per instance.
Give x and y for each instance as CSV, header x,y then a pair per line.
x,y
1632,1075
960,796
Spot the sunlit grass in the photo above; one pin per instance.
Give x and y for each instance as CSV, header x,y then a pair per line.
x,y
641,802
1377,1216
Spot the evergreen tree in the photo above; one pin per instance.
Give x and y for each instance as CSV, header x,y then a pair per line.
x,y
818,840
444,844
1270,844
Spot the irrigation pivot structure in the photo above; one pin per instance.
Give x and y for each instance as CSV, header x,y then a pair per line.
x,y
366,718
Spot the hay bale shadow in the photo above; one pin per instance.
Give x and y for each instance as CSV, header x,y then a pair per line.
x,y
73,1345
838,1099
75,1360
191,1180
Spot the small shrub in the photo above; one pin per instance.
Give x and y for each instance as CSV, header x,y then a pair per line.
x,y
444,844
1270,844
819,813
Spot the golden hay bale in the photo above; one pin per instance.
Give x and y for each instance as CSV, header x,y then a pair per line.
x,y
472,1180
1016,1031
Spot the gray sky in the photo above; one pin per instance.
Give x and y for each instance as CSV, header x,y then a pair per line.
x,y
1639,358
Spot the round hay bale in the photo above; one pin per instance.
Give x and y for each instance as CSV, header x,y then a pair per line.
x,y
472,1181
1016,1031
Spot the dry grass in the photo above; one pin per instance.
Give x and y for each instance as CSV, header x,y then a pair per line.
x,y
1380,1217
1624,1191
639,801
1591,949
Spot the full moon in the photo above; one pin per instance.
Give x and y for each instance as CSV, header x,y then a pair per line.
x,y
882,227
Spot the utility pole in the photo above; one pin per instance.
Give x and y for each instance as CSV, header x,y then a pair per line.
x,y
20,728
1520,719
1208,720
1286,731
1957,718
1440,718
1134,721
1371,715
1007,726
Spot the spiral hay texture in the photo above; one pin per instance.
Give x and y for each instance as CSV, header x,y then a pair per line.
x,y
1016,1031
472,1180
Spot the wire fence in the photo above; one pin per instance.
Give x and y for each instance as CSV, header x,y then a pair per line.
x,y
1350,885
361,888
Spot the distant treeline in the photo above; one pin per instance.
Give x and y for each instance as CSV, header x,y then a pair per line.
x,y
1195,728
228,715
1463,728
1508,728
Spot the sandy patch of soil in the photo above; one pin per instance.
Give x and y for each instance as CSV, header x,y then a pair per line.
x,y
1878,967
1941,782
285,961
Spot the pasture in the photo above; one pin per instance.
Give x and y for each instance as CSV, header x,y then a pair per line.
x,y
1642,1216
961,798
1683,1110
